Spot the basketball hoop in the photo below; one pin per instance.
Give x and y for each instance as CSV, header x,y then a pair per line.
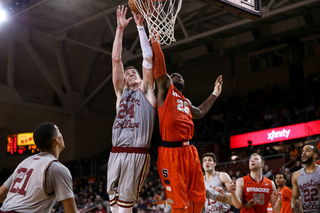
x,y
160,16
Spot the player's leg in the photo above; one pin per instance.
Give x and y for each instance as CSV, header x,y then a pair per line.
x,y
135,169
114,166
114,208
172,174
167,208
125,210
196,192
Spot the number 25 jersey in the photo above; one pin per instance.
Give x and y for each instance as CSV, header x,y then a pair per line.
x,y
260,190
175,114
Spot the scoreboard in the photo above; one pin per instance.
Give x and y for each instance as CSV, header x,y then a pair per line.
x,y
21,143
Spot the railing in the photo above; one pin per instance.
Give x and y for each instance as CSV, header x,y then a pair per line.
x,y
244,161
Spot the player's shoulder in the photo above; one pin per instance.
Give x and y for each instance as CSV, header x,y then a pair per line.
x,y
56,167
241,181
296,173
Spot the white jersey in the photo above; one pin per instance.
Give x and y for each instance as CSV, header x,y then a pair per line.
x,y
27,185
309,188
214,206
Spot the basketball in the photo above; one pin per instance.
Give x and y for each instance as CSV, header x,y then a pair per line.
x,y
132,7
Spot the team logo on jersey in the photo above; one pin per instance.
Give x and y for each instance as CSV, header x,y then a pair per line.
x,y
267,184
165,173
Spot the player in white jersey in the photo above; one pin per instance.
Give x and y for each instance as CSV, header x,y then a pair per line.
x,y
306,183
218,181
40,180
129,159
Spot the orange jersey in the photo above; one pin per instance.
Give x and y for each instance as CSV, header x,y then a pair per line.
x,y
286,195
175,114
260,190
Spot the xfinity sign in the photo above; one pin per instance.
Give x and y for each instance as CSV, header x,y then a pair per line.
x,y
276,134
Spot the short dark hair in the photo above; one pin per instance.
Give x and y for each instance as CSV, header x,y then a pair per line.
x,y
43,135
281,173
132,67
210,154
315,149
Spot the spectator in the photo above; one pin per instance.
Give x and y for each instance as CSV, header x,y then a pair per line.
x,y
267,173
298,166
293,152
100,209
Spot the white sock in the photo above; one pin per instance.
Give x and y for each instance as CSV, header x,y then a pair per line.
x,y
114,208
125,210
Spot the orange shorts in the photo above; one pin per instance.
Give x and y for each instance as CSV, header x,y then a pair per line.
x,y
181,175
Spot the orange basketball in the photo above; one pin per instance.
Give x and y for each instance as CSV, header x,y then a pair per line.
x,y
132,7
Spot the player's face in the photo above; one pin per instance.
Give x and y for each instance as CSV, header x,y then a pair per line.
x,y
255,163
208,164
131,77
177,81
280,181
59,137
307,154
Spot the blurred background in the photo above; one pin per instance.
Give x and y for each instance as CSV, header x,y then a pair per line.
x,y
55,65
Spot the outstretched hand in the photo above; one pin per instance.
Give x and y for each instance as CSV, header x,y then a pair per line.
x,y
218,86
138,19
121,17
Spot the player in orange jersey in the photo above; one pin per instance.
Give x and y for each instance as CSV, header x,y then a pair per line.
x,y
252,193
285,192
179,165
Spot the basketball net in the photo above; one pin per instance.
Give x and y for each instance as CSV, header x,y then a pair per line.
x,y
160,16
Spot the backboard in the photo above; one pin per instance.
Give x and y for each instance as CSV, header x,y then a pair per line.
x,y
246,8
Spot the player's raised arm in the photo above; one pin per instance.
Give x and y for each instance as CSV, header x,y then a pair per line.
x,y
163,80
147,63
199,112
117,66
295,206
